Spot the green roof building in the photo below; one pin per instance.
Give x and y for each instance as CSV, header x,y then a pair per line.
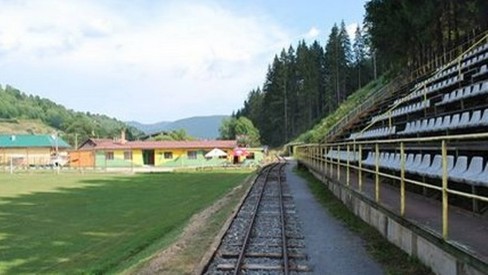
x,y
33,141
32,150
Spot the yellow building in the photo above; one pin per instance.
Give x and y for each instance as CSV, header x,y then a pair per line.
x,y
121,153
32,150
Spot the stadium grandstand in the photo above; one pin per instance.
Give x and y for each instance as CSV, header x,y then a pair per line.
x,y
418,149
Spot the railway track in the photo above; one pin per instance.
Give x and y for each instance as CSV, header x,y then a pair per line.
x,y
265,236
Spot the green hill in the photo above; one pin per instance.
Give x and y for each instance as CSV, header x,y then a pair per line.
x,y
23,113
24,126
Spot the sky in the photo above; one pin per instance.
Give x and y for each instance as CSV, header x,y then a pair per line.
x,y
153,61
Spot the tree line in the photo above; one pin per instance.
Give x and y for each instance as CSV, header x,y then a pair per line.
x,y
306,83
410,33
74,127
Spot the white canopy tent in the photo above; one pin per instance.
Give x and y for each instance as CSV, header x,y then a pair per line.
x,y
215,153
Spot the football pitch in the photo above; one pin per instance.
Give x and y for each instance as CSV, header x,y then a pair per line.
x,y
94,223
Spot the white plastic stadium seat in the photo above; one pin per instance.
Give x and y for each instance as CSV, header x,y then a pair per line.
x,y
483,70
369,161
409,160
482,178
424,165
476,89
464,121
438,124
484,87
450,166
388,160
454,121
484,118
444,100
416,162
475,119
446,122
430,125
434,167
475,168
459,169
395,164
467,91
423,126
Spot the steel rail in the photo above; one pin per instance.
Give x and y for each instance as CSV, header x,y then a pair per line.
x,y
253,218
282,212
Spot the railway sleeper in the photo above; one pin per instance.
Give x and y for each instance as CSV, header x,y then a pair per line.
x,y
264,255
297,268
290,245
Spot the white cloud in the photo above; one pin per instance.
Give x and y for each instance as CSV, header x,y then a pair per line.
x,y
312,33
175,53
351,30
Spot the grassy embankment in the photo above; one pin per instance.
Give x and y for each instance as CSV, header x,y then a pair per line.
x,y
393,259
320,130
99,223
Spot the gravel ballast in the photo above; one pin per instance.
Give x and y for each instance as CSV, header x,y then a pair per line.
x,y
264,248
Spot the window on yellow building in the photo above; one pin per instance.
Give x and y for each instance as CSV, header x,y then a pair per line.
x,y
192,154
168,155
223,157
109,155
128,155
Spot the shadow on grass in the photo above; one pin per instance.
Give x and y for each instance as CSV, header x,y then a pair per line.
x,y
93,228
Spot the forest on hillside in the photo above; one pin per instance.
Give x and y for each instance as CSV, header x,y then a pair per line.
x,y
307,82
74,127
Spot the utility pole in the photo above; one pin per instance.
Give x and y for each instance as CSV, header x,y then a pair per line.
x,y
56,161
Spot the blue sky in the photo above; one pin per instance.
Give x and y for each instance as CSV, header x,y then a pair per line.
x,y
155,60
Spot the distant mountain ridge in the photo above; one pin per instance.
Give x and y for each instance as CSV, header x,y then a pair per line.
x,y
149,128
203,127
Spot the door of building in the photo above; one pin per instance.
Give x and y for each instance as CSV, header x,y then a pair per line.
x,y
148,157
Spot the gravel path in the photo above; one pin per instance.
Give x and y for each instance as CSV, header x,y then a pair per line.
x,y
331,247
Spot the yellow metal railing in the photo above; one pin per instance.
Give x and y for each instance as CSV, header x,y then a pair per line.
x,y
314,156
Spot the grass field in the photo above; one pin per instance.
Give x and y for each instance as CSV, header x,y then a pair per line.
x,y
74,223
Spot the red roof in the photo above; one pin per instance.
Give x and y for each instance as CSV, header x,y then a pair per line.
x,y
100,144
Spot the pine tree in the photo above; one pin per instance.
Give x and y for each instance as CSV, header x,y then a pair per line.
x,y
359,54
345,61
332,69
273,113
